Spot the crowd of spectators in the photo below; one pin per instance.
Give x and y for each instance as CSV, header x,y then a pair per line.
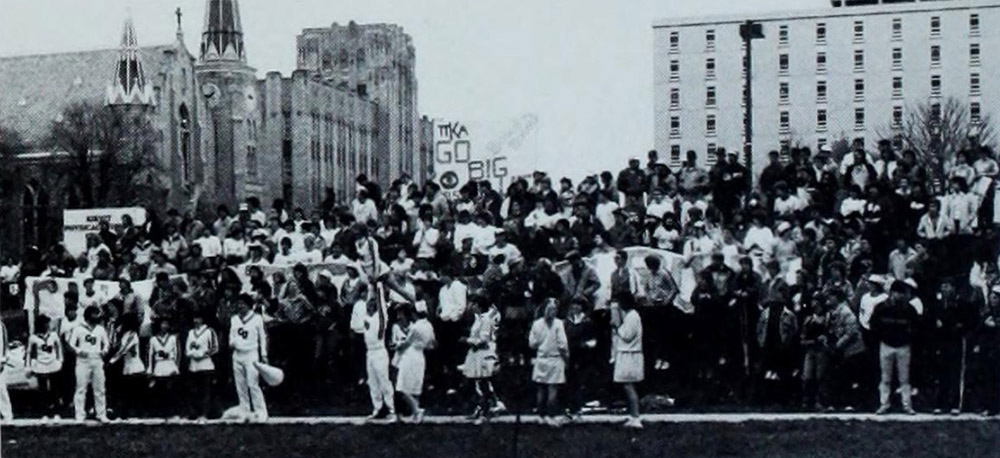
x,y
825,282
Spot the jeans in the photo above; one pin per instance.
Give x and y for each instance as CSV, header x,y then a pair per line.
x,y
894,359
90,374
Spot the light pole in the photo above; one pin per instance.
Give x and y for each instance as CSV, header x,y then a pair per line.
x,y
749,31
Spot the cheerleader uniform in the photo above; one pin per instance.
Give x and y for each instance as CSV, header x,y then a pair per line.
x,y
413,364
551,344
163,366
45,360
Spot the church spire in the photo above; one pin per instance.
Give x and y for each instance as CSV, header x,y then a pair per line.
x,y
222,38
128,87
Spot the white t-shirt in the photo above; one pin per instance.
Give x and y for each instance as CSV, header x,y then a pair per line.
x,y
211,246
606,214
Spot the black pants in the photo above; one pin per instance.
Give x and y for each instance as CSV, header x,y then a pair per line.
x,y
848,380
946,361
163,397
200,393
132,395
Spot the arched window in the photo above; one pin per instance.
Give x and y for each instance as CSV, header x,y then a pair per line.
x,y
185,146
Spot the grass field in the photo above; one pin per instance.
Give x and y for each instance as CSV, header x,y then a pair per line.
x,y
792,438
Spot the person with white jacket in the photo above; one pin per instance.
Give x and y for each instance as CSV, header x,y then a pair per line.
x,y
248,340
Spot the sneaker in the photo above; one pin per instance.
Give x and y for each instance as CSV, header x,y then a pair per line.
x,y
554,422
479,421
936,411
955,412
391,419
882,410
633,423
103,419
418,417
909,411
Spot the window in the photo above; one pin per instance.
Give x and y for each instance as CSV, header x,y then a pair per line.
x,y
710,68
710,125
859,60
675,42
897,58
820,142
935,56
935,27
710,40
821,33
675,70
897,116
935,85
897,87
974,54
859,31
675,126
185,143
784,121
675,98
975,112
821,120
252,149
710,99
897,29
783,92
974,25
859,118
936,112
675,155
821,62
821,91
859,90
710,159
786,149
783,35
974,85
783,64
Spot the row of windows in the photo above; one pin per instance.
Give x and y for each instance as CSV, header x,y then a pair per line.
x,y
784,62
784,98
821,32
822,116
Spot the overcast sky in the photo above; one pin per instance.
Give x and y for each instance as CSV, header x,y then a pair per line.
x,y
584,67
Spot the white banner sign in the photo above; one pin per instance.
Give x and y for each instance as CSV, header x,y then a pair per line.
x,y
498,152
78,223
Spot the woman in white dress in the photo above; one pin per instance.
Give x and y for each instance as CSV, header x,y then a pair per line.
x,y
410,382
548,339
629,361
481,361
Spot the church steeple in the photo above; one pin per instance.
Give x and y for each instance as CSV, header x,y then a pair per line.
x,y
128,87
222,38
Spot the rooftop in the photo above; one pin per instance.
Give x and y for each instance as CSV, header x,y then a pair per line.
x,y
887,7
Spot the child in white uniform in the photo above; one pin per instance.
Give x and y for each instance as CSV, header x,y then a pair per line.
x,y
44,359
132,384
164,367
202,343
248,340
90,343
548,339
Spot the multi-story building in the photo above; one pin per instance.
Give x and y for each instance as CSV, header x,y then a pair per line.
x,y
378,60
845,72
221,134
325,135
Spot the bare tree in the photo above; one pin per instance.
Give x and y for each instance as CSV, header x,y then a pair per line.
x,y
112,155
937,131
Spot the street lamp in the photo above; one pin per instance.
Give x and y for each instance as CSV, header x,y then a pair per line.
x,y
749,31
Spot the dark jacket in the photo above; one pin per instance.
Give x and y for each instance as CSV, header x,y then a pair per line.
x,y
895,324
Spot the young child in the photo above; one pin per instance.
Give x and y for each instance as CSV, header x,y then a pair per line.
x,y
90,344
44,359
201,345
248,340
164,366
133,369
481,361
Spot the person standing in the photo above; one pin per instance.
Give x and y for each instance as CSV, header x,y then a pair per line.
x,y
893,324
44,359
248,340
163,365
200,346
377,361
412,364
481,360
132,382
628,357
548,339
90,344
